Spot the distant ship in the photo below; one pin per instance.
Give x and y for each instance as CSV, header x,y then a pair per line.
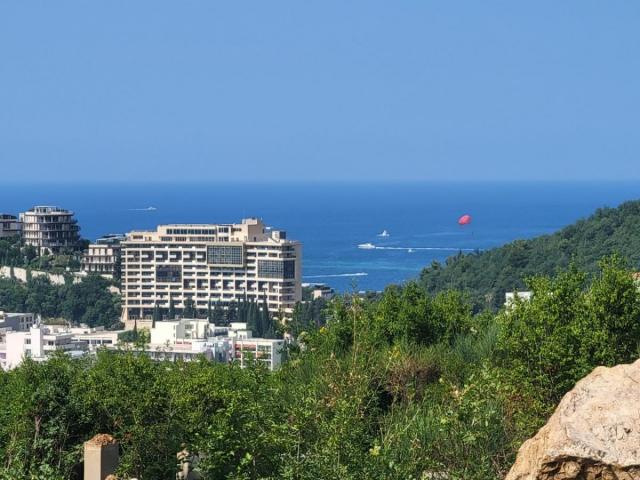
x,y
367,246
410,250
384,234
151,209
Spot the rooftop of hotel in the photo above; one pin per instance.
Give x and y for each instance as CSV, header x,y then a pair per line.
x,y
49,209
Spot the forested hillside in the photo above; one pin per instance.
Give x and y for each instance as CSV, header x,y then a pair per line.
x,y
487,275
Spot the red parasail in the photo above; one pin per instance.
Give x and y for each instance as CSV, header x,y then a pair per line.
x,y
464,220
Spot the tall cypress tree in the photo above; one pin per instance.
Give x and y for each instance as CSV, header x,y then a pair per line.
x,y
172,309
189,310
157,315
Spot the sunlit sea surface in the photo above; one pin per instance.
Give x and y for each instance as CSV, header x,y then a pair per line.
x,y
331,220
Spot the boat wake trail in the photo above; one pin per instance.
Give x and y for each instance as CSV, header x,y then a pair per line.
x,y
370,246
336,275
447,249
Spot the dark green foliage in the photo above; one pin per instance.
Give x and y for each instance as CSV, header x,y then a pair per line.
x,y
410,314
257,318
486,276
570,327
308,315
189,309
87,302
13,253
171,313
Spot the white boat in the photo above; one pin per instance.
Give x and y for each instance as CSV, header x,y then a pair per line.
x,y
384,234
151,209
410,250
367,246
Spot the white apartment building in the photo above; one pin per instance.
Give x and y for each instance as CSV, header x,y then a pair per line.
x,y
49,229
180,331
204,265
10,226
189,339
264,350
94,337
187,352
16,321
12,322
102,256
38,343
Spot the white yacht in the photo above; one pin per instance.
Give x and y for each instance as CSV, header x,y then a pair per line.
x,y
367,246
384,234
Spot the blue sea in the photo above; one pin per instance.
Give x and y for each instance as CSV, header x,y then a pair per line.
x,y
331,220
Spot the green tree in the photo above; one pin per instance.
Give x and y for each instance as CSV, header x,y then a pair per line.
x,y
189,310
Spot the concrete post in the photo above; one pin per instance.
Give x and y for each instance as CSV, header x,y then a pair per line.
x,y
101,457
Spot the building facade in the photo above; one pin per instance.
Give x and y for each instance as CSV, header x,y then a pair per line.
x,y
10,226
38,344
103,256
188,339
196,266
262,350
16,321
50,229
322,291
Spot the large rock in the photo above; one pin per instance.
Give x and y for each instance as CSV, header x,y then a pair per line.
x,y
593,434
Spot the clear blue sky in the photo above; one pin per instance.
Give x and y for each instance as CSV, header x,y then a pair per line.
x,y
367,90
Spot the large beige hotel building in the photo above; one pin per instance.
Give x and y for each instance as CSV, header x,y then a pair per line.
x,y
209,265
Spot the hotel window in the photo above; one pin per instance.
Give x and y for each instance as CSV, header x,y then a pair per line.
x,y
168,273
225,255
277,268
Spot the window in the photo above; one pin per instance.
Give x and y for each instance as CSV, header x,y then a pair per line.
x,y
225,255
169,273
277,268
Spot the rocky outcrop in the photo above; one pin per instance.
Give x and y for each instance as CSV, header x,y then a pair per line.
x,y
593,434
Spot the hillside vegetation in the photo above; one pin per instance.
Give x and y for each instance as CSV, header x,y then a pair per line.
x,y
485,276
89,301
404,386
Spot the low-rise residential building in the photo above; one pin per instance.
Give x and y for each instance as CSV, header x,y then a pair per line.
x,y
322,291
188,339
12,322
95,337
103,256
22,336
264,350
38,343
50,229
20,322
187,352
10,226
180,331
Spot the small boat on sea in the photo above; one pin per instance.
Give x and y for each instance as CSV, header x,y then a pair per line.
x,y
410,250
383,234
367,246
